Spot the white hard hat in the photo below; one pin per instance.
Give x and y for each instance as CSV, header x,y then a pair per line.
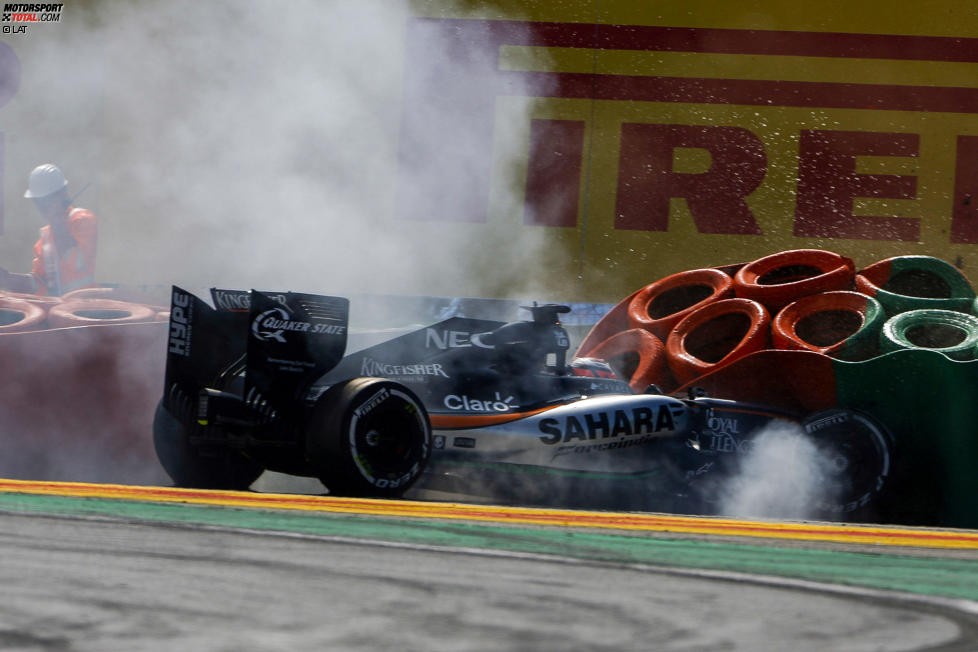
x,y
45,180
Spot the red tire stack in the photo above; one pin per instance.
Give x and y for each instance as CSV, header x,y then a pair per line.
x,y
702,320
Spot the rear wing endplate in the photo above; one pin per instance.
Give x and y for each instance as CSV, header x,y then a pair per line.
x,y
283,341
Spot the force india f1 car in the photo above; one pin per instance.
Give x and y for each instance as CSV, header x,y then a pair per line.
x,y
471,406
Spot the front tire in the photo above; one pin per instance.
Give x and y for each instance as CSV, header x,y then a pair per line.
x,y
186,466
857,451
368,437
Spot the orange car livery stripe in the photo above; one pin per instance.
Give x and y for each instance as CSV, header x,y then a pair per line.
x,y
462,421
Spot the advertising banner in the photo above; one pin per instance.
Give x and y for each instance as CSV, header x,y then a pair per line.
x,y
657,142
574,151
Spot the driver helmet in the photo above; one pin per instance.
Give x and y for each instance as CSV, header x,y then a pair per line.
x,y
591,367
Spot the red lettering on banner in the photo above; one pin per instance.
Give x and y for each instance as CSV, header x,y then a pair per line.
x,y
964,216
553,178
453,77
828,182
716,198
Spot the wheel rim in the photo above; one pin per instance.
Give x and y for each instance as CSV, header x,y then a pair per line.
x,y
857,461
389,443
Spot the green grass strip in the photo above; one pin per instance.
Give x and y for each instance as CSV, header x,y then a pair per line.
x,y
952,578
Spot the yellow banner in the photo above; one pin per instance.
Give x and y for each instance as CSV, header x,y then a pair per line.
x,y
668,138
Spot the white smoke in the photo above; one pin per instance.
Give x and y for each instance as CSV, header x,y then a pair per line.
x,y
251,144
80,406
784,476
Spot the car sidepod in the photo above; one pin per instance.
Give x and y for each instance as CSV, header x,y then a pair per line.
x,y
606,450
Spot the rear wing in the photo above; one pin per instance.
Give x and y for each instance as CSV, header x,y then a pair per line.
x,y
292,341
281,342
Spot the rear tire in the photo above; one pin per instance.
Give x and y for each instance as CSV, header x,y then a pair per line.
x,y
368,437
858,455
186,466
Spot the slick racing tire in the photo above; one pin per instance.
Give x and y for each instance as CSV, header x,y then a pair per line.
x,y
661,305
842,324
88,312
187,467
778,279
20,316
637,356
907,283
856,453
954,334
368,437
716,335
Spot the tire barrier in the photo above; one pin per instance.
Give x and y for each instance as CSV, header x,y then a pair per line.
x,y
716,335
87,312
841,324
20,316
635,355
94,293
846,325
39,299
954,334
659,306
780,278
614,321
125,294
907,283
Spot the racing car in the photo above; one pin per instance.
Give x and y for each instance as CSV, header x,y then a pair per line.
x,y
263,381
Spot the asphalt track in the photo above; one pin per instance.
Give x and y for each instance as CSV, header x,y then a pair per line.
x,y
112,567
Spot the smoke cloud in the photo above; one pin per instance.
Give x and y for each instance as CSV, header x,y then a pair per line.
x,y
784,476
78,404
247,144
